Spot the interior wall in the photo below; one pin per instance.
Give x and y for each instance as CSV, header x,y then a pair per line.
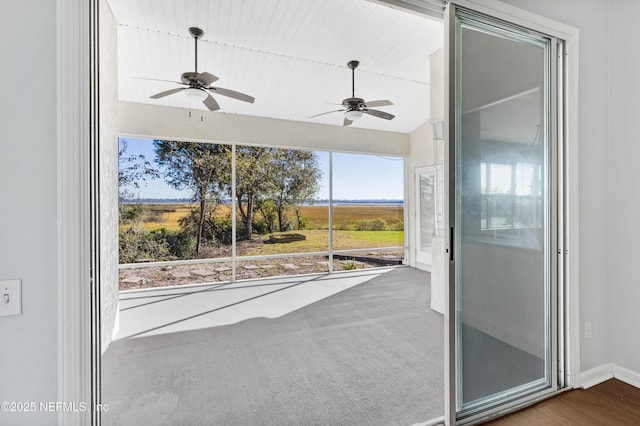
x,y
421,145
624,174
421,154
28,188
109,313
590,17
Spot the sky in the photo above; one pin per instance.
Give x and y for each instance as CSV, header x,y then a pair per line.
x,y
355,176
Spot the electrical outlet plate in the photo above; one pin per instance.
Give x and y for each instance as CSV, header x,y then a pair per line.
x,y
588,331
10,297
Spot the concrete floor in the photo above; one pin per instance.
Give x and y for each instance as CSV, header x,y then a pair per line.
x,y
354,348
151,312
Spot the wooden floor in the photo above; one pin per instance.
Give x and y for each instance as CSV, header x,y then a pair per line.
x,y
612,403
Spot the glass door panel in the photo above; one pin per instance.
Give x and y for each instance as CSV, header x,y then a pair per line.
x,y
502,221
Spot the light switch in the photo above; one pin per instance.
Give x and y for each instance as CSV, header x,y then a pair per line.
x,y
10,297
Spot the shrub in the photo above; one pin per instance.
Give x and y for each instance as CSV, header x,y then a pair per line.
x,y
349,265
398,226
131,213
135,244
216,230
181,245
371,225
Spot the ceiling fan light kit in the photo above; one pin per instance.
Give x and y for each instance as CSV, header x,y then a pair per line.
x,y
196,94
199,85
353,115
355,107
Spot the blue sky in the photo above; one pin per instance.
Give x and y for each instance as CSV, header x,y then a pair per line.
x,y
355,176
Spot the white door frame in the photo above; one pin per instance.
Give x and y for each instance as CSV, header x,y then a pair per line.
x,y
74,120
569,190
417,172
74,68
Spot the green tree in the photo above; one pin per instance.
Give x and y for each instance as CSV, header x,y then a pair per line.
x,y
253,180
202,168
133,171
295,174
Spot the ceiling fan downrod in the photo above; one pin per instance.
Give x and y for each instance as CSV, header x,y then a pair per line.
x,y
196,33
353,65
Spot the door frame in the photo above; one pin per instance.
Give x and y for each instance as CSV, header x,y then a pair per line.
x,y
417,172
568,189
77,128
76,137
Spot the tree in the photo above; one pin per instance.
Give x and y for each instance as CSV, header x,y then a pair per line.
x,y
253,170
133,170
202,168
274,181
295,175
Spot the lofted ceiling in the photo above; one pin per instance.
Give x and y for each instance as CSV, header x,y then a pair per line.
x,y
291,55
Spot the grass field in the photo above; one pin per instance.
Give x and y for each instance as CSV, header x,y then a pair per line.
x,y
352,228
318,240
317,217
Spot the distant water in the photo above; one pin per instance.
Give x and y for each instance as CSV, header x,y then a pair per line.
x,y
384,203
318,203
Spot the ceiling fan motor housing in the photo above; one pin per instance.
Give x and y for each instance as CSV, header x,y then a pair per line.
x,y
191,78
196,32
188,77
353,103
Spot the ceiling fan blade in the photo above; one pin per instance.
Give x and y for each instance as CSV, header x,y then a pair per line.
x,y
167,93
379,114
378,103
159,79
328,112
211,103
232,94
206,78
347,122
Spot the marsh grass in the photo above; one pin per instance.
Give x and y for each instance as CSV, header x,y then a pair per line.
x,y
355,227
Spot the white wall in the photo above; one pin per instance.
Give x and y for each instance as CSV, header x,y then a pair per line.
x,y
623,145
109,313
175,123
28,223
421,154
590,17
421,145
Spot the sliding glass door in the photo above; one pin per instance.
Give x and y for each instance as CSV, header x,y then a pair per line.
x,y
502,213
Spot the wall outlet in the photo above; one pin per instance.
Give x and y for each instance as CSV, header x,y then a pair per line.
x,y
10,297
588,332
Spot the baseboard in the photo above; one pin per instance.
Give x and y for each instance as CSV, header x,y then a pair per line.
x,y
596,375
628,376
423,266
605,372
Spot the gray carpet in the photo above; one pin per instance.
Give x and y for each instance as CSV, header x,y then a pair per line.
x,y
370,355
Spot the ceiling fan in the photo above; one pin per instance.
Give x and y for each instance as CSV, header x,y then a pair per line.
x,y
198,85
355,107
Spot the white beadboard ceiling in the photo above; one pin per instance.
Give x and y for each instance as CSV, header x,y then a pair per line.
x,y
291,55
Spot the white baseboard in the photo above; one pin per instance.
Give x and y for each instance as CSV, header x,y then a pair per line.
x,y
596,375
628,376
605,372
